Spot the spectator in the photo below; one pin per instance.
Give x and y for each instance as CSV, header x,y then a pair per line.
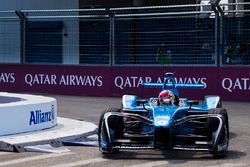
x,y
232,52
228,52
236,54
242,51
163,55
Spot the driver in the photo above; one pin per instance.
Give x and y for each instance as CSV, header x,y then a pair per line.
x,y
167,97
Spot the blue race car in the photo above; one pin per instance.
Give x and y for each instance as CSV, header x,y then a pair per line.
x,y
166,122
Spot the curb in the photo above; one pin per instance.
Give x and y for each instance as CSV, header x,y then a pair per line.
x,y
66,129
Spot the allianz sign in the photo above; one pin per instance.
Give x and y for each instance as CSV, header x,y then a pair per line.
x,y
38,117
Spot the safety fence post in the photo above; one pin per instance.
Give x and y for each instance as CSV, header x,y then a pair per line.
x,y
23,20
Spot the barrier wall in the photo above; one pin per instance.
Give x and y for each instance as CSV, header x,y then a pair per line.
x,y
231,83
21,113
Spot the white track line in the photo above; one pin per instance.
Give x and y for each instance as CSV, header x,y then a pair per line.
x,y
80,163
229,165
150,164
34,158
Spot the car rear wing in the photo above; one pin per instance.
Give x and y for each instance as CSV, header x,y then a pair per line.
x,y
169,83
173,85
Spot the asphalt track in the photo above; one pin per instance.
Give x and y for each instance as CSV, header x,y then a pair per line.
x,y
90,108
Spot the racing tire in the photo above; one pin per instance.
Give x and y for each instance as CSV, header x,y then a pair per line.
x,y
223,136
219,105
115,125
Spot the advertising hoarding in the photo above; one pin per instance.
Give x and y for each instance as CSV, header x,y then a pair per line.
x,y
231,83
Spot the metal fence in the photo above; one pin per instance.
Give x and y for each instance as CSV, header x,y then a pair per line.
x,y
156,35
164,41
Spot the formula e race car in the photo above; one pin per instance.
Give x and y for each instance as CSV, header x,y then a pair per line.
x,y
166,122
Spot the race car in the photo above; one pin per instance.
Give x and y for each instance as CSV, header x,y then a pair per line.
x,y
166,122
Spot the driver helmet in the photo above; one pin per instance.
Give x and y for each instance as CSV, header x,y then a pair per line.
x,y
165,95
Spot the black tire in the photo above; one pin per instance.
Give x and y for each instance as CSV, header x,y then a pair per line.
x,y
219,105
223,136
115,124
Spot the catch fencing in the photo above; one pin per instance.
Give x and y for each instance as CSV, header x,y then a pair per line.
x,y
175,35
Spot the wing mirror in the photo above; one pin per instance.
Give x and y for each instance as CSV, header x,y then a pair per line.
x,y
192,102
143,102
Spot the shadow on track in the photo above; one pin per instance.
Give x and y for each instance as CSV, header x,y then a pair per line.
x,y
171,156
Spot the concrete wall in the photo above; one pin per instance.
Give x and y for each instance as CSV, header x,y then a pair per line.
x,y
38,4
71,42
10,29
9,41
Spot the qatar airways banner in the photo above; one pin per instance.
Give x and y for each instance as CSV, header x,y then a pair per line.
x,y
231,83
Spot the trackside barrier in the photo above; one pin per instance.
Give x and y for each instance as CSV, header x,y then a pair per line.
x,y
28,113
231,83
